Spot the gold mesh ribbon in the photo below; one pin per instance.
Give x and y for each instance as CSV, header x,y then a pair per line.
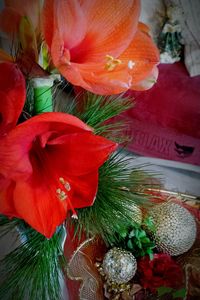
x,y
192,272
191,264
81,267
190,261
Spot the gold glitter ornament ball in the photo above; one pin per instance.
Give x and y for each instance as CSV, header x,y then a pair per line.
x,y
175,228
119,265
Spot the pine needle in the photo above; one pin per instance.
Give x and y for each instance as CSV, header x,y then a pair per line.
x,y
98,109
114,206
33,270
99,112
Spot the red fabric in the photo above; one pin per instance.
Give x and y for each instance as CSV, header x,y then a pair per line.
x,y
166,119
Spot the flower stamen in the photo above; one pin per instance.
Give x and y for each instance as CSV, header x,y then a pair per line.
x,y
65,184
131,64
61,194
111,63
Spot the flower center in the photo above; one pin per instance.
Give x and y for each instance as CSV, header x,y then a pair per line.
x,y
42,155
62,194
111,63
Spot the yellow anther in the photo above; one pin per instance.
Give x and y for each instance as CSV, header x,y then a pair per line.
x,y
65,184
58,191
109,57
61,179
112,62
61,195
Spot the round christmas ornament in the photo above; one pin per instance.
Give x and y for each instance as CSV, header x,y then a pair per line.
x,y
137,214
119,265
175,228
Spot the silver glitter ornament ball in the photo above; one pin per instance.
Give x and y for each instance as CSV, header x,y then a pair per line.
x,y
175,228
119,265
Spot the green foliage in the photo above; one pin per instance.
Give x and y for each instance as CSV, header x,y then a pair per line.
x,y
29,104
163,290
99,112
33,270
136,240
166,293
115,205
179,294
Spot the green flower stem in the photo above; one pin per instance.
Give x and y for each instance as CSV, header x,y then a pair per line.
x,y
43,101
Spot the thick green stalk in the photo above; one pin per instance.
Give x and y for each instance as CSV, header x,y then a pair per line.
x,y
43,101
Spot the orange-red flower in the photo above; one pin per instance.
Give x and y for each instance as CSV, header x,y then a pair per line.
x,y
20,21
12,95
99,45
49,165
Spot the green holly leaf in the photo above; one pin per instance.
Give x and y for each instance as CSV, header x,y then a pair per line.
x,y
131,234
130,244
141,234
150,255
139,244
179,294
163,290
136,233
123,232
145,240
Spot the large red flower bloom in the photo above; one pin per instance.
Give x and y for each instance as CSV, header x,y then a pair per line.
x,y
49,165
99,45
12,95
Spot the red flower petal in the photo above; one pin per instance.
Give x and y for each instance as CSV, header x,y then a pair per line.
x,y
117,31
12,93
85,189
9,21
79,46
7,187
38,156
14,10
159,272
75,149
64,18
34,203
144,55
97,79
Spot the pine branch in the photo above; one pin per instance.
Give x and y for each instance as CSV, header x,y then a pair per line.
x,y
115,205
29,104
99,109
99,112
33,270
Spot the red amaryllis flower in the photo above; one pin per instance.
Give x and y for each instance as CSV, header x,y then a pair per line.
x,y
14,10
161,271
20,21
99,45
49,165
12,95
